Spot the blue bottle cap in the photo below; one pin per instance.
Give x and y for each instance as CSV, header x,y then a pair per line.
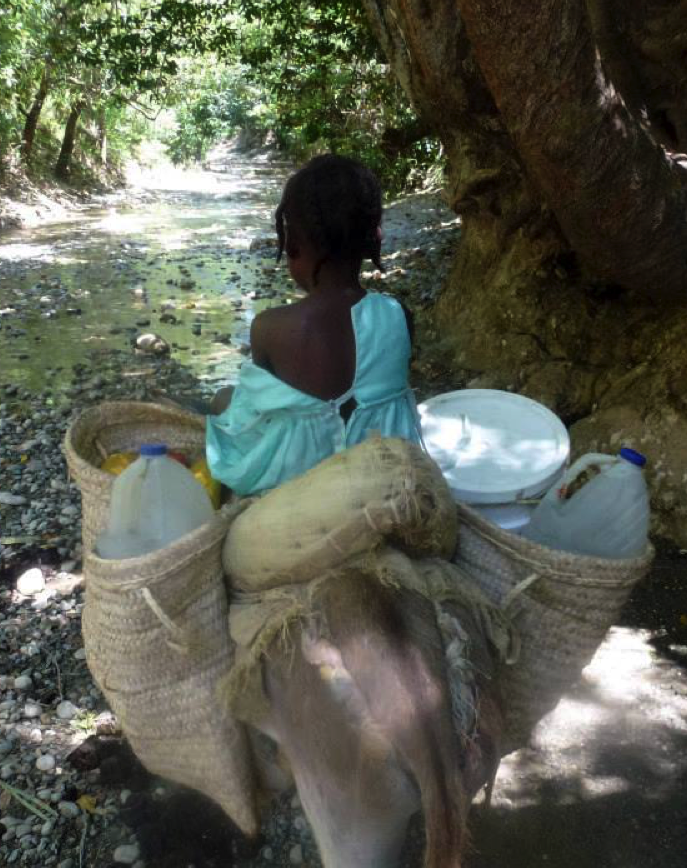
x,y
632,456
151,450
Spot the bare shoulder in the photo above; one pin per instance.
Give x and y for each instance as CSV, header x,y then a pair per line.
x,y
270,330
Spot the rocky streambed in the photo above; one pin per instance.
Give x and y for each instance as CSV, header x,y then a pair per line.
x,y
115,306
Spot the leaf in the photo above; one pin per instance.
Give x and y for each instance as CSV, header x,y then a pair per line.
x,y
87,803
18,540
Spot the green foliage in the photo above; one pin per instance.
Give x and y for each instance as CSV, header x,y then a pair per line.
x,y
317,82
212,101
308,74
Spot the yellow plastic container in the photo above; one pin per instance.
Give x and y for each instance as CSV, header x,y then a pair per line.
x,y
202,473
117,462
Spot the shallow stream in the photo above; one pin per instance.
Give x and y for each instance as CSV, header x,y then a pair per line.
x,y
170,256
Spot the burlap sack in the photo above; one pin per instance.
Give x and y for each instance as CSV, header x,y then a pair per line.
x,y
157,643
382,489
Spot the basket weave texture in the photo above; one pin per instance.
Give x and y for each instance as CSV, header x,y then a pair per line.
x,y
121,426
156,627
562,605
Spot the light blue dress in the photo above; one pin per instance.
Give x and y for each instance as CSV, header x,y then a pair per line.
x,y
272,432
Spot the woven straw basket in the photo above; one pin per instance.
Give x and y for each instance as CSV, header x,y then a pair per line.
x,y
156,627
562,604
121,426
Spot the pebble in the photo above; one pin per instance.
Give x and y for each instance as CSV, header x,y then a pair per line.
x,y
127,854
9,499
69,809
23,682
80,654
152,343
45,763
31,582
296,855
66,710
32,709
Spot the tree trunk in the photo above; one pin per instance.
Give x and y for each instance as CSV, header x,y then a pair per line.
x,y
33,115
67,149
102,136
573,225
620,200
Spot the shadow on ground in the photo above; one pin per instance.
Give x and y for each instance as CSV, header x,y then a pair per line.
x,y
604,782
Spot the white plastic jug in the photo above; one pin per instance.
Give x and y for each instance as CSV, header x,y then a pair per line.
x,y
607,517
154,501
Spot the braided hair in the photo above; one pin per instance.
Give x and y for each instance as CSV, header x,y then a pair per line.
x,y
336,204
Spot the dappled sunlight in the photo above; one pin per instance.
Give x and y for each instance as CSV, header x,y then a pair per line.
x,y
578,715
617,730
182,250
612,757
19,252
466,435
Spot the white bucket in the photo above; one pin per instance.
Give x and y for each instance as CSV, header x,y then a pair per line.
x,y
495,449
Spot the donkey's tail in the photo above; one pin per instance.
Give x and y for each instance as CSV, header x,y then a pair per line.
x,y
390,644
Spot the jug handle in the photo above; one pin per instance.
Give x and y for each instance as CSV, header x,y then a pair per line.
x,y
578,467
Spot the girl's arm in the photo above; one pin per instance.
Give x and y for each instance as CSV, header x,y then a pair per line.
x,y
259,342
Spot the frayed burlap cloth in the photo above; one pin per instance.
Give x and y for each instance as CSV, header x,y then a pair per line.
x,y
261,623
384,490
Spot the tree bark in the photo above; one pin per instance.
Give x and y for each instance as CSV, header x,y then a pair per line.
x,y
33,115
573,220
102,136
619,198
67,149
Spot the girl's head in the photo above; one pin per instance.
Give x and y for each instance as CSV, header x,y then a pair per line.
x,y
332,207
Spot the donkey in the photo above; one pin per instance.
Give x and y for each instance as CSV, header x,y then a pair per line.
x,y
361,709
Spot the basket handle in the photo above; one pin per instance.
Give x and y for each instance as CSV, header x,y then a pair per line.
x,y
511,597
178,640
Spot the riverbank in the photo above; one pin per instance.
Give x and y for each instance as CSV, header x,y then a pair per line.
x,y
30,199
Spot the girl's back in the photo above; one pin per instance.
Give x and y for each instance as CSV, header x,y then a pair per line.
x,y
310,345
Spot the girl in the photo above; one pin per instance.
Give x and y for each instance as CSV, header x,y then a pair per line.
x,y
327,371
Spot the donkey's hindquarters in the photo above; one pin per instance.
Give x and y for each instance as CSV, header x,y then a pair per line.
x,y
361,707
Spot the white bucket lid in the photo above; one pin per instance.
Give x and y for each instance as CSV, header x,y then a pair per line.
x,y
493,446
